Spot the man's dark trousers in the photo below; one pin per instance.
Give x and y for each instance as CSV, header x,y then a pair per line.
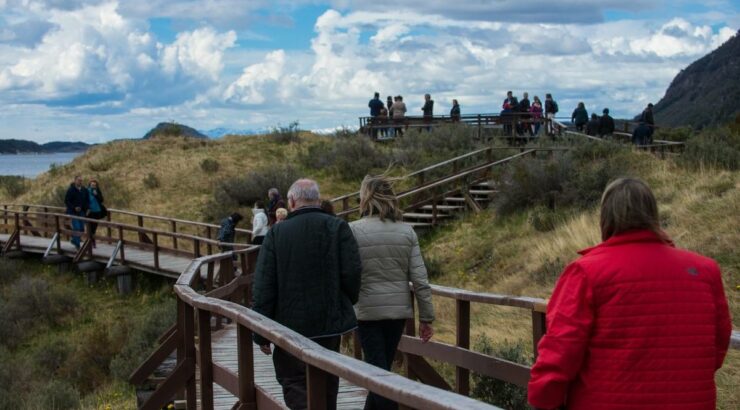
x,y
379,340
291,374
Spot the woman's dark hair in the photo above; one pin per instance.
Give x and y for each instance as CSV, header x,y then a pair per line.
x,y
629,204
236,217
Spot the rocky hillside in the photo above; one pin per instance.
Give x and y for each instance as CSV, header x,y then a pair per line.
x,y
706,93
172,129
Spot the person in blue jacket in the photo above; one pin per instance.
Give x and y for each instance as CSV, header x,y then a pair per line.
x,y
375,105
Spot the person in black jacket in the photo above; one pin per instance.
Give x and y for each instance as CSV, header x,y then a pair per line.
x,y
96,209
641,134
307,278
579,117
551,108
428,109
647,118
606,124
77,202
455,111
523,108
592,127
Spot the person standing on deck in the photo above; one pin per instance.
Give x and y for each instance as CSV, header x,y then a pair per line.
x,y
77,201
307,278
259,223
227,231
275,202
399,113
649,120
96,208
536,110
509,106
428,110
592,127
391,258
375,108
635,323
455,111
551,108
579,117
523,108
606,124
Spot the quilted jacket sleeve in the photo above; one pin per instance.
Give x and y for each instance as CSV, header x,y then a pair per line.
x,y
351,265
265,283
724,324
420,281
561,351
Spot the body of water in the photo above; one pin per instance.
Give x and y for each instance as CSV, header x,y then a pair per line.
x,y
30,165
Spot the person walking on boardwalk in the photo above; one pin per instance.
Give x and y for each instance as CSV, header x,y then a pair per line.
x,y
391,258
579,117
634,323
227,231
375,106
606,124
275,202
307,278
455,111
536,110
551,108
77,201
260,223
96,208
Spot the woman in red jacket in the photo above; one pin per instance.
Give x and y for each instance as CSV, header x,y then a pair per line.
x,y
634,323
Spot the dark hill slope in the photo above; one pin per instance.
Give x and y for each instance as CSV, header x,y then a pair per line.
x,y
13,146
171,129
705,93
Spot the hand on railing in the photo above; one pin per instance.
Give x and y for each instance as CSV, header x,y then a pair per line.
x,y
425,331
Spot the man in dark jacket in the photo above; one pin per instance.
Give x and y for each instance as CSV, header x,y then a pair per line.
x,y
510,105
375,106
647,118
307,278
606,124
592,127
641,134
77,202
428,109
227,231
523,108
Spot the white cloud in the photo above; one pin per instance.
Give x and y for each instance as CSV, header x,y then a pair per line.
x,y
257,80
198,53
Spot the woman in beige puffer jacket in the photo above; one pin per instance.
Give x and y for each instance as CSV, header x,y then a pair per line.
x,y
391,258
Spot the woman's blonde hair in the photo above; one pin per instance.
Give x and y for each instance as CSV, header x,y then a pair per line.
x,y
377,198
281,213
629,204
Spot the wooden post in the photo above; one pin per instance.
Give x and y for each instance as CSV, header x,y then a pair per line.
x,y
5,215
538,329
57,226
410,331
108,228
173,225
140,221
122,252
196,248
155,241
480,125
462,375
209,246
187,345
205,359
316,385
345,206
434,210
247,394
356,345
45,234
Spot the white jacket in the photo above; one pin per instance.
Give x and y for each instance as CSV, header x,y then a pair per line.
x,y
391,258
259,223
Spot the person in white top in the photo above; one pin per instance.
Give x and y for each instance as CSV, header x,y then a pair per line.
x,y
259,223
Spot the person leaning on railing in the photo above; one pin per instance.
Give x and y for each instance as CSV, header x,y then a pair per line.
x,y
391,258
635,323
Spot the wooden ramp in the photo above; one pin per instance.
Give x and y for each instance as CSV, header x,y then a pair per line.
x,y
225,354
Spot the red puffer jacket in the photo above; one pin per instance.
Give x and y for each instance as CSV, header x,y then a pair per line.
x,y
633,324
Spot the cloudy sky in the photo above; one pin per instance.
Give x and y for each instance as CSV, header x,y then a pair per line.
x,y
96,70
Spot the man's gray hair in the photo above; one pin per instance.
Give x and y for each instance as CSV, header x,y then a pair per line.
x,y
304,190
272,191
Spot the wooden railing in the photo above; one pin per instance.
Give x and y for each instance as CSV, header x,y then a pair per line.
x,y
432,192
142,220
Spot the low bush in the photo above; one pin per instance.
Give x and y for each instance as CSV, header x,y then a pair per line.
x,y
14,186
9,271
56,395
236,192
14,380
209,166
418,148
434,268
549,272
51,354
141,340
100,165
351,158
151,181
575,179
544,219
286,134
497,392
714,148
88,365
32,300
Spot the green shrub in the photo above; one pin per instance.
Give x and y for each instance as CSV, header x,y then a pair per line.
x,y
14,380
100,166
51,354
55,196
497,392
56,395
543,219
416,148
549,272
434,268
34,300
151,181
88,365
673,134
286,134
14,186
10,270
236,192
209,166
349,157
714,148
141,340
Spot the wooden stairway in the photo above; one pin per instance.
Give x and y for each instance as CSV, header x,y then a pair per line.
x,y
450,206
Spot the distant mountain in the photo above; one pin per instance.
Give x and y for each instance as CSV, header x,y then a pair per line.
x,y
30,147
171,129
220,132
705,93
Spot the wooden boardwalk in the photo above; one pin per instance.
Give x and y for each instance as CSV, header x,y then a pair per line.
x,y
224,342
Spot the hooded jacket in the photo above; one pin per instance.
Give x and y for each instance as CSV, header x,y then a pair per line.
x,y
76,198
633,324
259,223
